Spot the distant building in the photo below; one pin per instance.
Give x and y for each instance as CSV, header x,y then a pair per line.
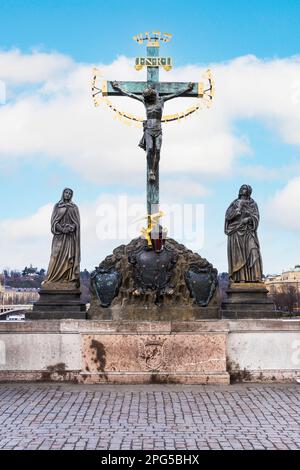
x,y
281,283
15,296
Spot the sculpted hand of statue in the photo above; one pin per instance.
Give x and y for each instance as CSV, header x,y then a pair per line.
x,y
66,228
59,228
70,228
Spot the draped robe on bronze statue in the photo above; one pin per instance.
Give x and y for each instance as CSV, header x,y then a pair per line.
x,y
244,258
64,265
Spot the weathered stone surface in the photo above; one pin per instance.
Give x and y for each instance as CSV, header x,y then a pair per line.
x,y
60,287
53,373
200,326
244,314
171,356
173,303
154,378
261,352
149,352
263,326
40,351
100,326
50,326
248,300
58,303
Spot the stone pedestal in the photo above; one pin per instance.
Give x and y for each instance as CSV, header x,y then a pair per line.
x,y
248,300
58,302
138,284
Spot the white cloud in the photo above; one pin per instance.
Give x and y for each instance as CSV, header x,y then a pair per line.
x,y
33,226
183,190
284,208
18,68
260,172
56,117
107,222
26,240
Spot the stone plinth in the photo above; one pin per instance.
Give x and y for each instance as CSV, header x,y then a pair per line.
x,y
149,312
157,353
58,302
115,352
173,285
248,300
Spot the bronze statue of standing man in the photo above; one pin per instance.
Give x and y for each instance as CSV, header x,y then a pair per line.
x,y
241,223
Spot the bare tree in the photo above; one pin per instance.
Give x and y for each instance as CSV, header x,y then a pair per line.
x,y
286,299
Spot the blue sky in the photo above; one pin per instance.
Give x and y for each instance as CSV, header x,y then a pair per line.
x,y
204,31
204,34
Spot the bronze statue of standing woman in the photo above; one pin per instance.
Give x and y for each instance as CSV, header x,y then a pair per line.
x,y
64,265
60,294
241,223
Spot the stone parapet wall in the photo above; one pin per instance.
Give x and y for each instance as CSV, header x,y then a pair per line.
x,y
150,352
263,350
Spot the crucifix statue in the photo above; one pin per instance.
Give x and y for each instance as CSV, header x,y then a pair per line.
x,y
153,95
152,138
152,277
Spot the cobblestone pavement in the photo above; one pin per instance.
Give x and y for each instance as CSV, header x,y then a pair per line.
x,y
50,416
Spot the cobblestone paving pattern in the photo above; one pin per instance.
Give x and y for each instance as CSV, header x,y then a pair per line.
x,y
64,416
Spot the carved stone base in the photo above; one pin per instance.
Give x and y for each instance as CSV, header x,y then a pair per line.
x,y
248,300
57,303
192,353
145,312
139,284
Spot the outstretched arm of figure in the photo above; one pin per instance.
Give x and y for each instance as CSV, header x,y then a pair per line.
x,y
179,93
127,93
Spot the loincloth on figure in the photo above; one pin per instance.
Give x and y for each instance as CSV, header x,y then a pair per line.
x,y
152,132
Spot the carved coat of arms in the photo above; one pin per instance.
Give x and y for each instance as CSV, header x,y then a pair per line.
x,y
105,282
153,353
152,270
202,283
